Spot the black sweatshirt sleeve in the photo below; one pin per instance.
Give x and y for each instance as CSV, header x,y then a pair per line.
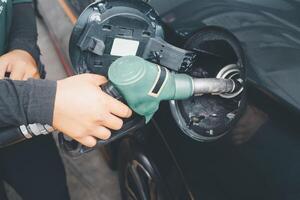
x,y
23,33
25,102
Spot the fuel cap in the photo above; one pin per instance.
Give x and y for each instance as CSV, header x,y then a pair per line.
x,y
107,30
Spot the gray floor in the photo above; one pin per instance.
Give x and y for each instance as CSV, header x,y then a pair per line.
x,y
88,176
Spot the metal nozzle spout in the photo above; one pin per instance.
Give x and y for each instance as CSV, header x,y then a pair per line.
x,y
213,86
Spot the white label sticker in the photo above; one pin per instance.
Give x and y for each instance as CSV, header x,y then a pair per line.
x,y
124,47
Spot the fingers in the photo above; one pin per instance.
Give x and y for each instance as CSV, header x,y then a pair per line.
x,y
17,74
18,63
31,75
115,107
112,122
102,133
26,77
88,141
3,69
118,108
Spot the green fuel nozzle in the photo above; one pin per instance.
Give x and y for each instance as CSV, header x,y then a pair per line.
x,y
144,84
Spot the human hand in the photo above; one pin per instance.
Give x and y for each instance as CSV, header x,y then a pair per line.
x,y
84,112
20,64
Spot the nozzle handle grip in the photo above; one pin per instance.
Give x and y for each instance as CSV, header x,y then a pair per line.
x,y
109,89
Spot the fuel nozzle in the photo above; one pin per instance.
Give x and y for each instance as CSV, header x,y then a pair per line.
x,y
144,84
214,86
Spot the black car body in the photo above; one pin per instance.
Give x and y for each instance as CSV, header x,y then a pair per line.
x,y
259,158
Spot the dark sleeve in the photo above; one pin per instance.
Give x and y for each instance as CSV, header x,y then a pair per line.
x,y
26,102
23,33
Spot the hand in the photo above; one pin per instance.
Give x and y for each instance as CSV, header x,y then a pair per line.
x,y
20,64
84,112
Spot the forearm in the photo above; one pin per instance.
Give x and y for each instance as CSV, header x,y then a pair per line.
x,y
25,102
23,32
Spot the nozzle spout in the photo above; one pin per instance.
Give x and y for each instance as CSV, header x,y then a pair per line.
x,y
213,86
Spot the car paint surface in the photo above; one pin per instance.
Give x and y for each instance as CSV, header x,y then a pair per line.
x,y
268,30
